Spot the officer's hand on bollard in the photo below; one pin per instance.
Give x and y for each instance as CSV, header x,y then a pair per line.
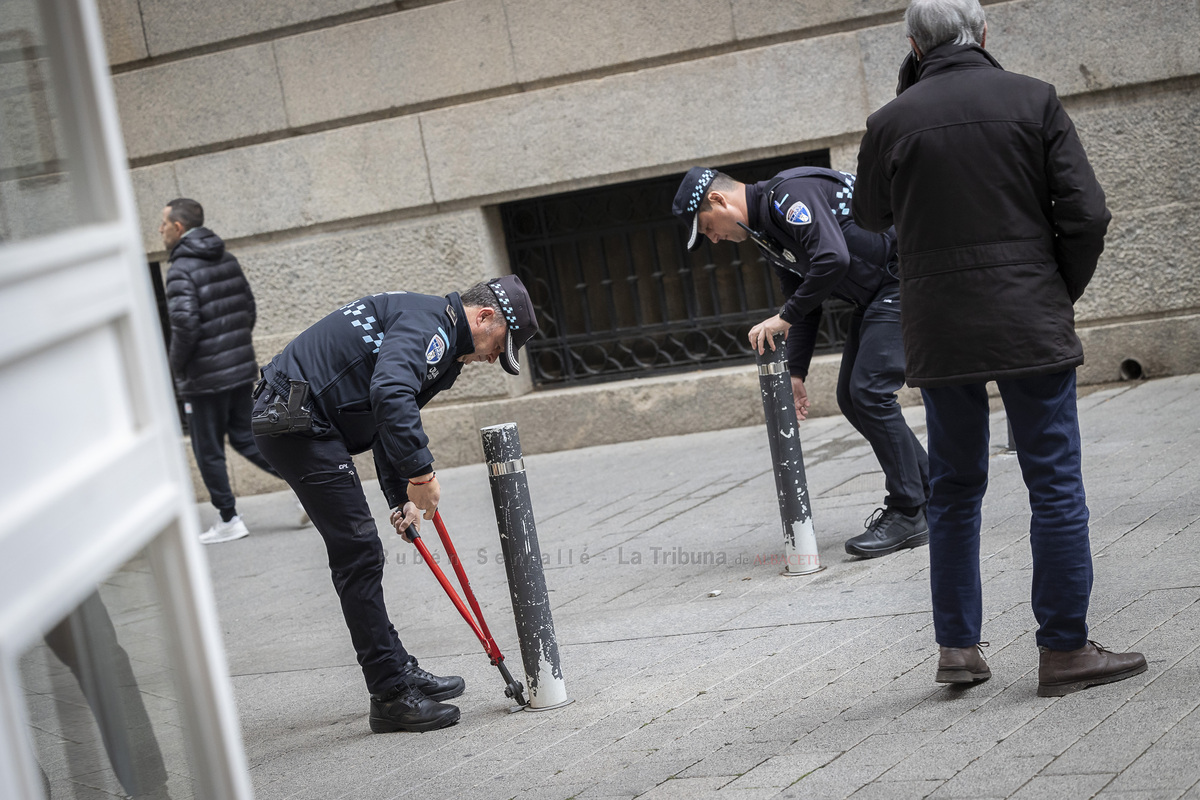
x,y
762,335
405,519
426,492
801,395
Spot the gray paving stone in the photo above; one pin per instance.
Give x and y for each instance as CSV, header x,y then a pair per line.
x,y
734,760
803,687
838,734
783,770
994,774
887,748
683,788
1058,786
1159,769
897,790
943,758
839,778
1119,739
728,793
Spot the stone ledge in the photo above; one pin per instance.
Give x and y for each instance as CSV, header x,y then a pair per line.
x,y
1161,347
563,419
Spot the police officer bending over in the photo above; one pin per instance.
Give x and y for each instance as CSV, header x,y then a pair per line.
x,y
357,379
801,222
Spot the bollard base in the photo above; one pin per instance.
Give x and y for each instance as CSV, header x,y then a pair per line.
x,y
549,708
805,572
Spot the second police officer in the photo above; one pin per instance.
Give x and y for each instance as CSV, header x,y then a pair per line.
x,y
801,221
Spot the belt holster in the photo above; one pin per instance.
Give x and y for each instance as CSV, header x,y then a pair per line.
x,y
280,416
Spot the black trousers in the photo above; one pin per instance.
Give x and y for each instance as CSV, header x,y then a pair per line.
x,y
872,372
321,473
211,419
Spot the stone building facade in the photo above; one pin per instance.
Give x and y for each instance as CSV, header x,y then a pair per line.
x,y
349,146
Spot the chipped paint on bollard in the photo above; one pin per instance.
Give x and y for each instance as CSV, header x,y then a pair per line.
x,y
787,457
523,563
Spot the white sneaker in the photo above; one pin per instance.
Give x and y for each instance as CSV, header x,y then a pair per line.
x,y
225,531
302,515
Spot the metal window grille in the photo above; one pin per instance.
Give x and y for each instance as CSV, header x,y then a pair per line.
x,y
618,296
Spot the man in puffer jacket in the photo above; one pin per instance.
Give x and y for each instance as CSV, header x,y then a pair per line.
x,y
1000,222
212,357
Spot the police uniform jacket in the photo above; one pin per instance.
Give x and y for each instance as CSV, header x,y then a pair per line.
x,y
819,250
371,366
999,217
212,314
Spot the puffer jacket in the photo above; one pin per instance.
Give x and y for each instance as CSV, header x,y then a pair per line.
x,y
999,218
212,315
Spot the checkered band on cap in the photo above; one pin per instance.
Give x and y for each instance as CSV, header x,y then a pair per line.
x,y
505,305
702,185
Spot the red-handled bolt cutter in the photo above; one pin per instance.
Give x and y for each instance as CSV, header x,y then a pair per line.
x,y
512,688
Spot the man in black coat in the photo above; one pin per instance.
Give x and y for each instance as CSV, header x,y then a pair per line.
x,y
800,220
1000,223
212,315
357,380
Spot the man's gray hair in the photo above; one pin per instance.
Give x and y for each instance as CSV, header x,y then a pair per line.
x,y
934,22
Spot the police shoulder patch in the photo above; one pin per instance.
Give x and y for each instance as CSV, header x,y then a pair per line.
x,y
436,349
798,214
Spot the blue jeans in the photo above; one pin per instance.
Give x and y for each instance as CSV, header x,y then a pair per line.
x,y
1045,425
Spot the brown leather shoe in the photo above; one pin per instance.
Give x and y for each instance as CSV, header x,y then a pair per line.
x,y
1064,671
962,665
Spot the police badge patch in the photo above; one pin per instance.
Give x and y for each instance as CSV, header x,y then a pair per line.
x,y
799,214
436,349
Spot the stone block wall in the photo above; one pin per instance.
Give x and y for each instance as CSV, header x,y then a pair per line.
x,y
348,146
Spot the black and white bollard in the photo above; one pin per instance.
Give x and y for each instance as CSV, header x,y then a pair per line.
x,y
523,563
783,432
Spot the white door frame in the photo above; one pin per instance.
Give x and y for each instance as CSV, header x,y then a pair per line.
x,y
106,479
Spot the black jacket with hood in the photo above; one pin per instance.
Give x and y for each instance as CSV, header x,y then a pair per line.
x,y
212,315
999,218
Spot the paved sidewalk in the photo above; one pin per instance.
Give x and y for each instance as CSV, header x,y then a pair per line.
x,y
778,686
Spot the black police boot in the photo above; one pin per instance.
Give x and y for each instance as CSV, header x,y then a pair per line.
x,y
889,530
431,685
403,708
